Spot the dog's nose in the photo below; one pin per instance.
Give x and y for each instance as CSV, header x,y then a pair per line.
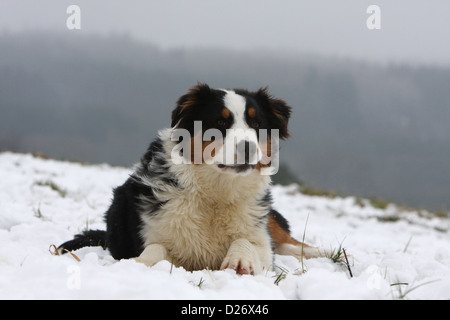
x,y
246,152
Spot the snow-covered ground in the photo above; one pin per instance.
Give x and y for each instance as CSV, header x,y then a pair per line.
x,y
395,254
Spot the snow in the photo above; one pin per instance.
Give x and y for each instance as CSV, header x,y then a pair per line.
x,y
45,202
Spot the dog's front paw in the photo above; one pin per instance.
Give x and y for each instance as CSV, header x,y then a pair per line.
x,y
152,254
239,264
242,257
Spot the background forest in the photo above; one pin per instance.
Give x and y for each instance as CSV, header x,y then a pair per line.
x,y
360,128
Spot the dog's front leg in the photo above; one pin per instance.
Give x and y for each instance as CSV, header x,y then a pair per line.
x,y
244,257
152,254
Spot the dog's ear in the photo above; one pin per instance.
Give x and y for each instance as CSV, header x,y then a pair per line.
x,y
188,101
278,111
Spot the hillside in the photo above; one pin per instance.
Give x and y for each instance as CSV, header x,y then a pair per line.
x,y
357,128
396,254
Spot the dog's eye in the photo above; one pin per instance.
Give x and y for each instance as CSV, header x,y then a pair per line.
x,y
254,124
221,123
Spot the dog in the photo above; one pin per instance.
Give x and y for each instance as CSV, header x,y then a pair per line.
x,y
195,208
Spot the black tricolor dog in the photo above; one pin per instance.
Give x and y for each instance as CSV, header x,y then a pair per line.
x,y
204,212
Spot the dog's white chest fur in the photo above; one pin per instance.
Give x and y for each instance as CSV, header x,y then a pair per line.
x,y
198,224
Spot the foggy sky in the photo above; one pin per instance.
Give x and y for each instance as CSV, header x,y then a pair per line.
x,y
412,31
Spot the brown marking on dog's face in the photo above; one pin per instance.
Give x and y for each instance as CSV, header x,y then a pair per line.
x,y
251,112
226,113
266,150
207,150
212,150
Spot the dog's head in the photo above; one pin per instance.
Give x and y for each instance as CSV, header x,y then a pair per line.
x,y
235,130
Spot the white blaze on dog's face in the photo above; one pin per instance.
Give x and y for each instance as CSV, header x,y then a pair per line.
x,y
240,150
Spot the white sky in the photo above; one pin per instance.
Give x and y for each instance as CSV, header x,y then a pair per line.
x,y
414,31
